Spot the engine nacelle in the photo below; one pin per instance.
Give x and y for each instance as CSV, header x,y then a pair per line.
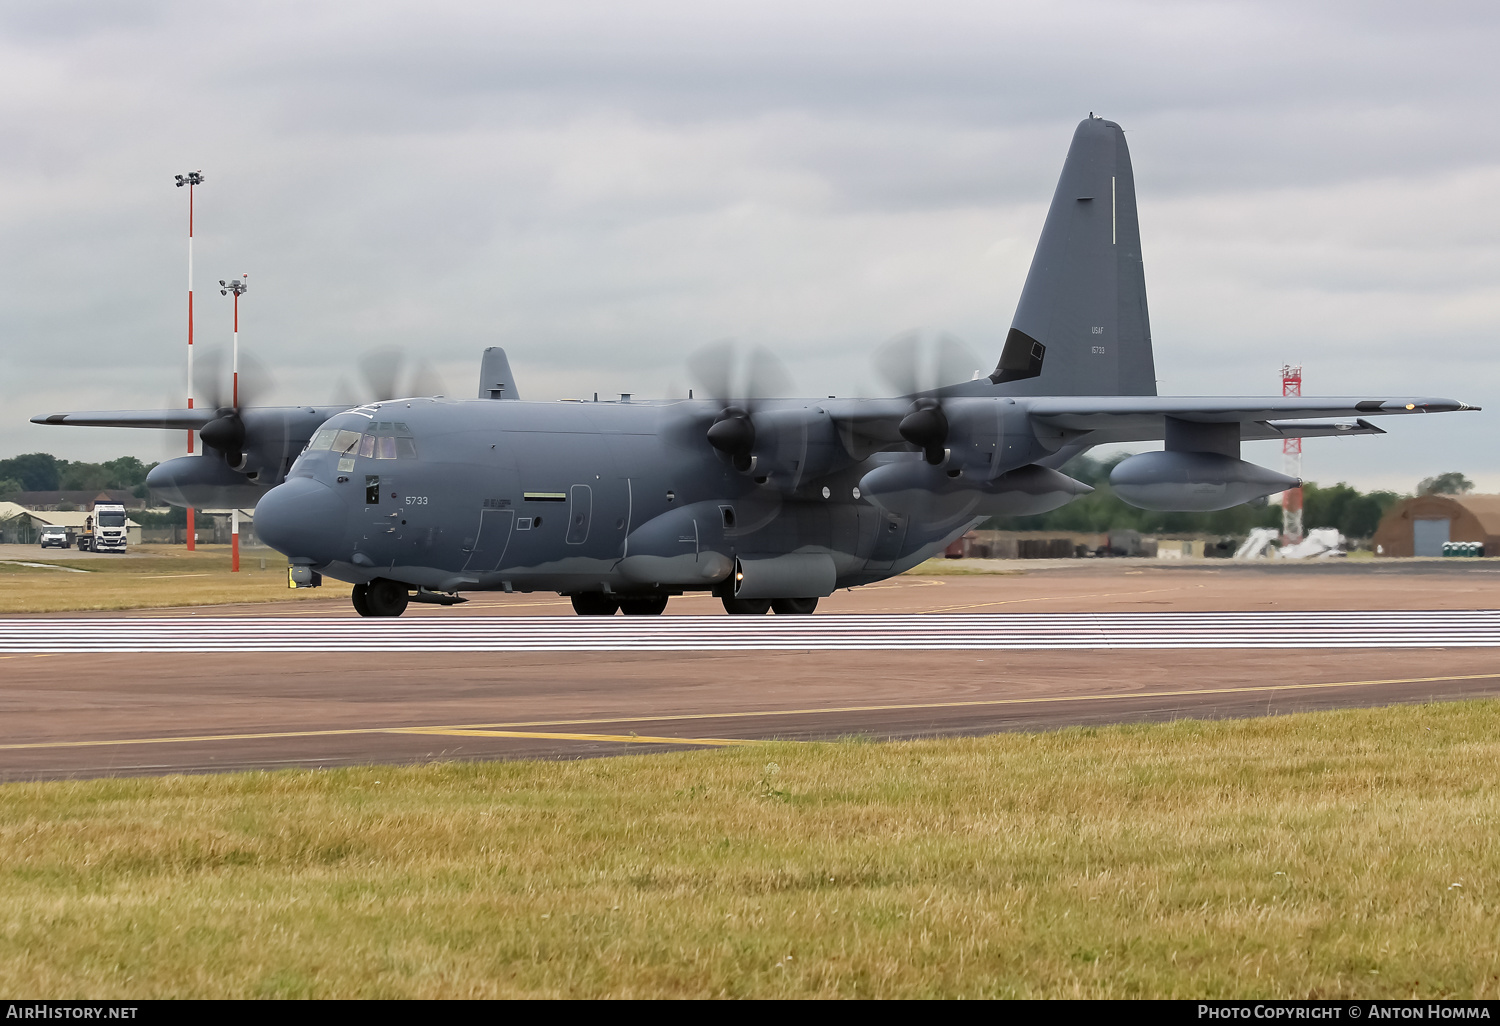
x,y
1027,491
915,488
203,482
1193,482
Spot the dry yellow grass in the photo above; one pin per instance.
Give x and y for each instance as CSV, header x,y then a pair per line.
x,y
1334,854
151,576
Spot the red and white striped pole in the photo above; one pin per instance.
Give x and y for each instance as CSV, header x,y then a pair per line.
x,y
238,287
191,180
1291,449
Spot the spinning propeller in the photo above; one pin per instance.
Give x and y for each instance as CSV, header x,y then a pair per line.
x,y
919,365
737,377
227,432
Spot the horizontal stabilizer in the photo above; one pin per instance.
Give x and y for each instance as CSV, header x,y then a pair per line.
x,y
165,419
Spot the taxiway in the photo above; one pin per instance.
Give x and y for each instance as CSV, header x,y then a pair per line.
x,y
262,687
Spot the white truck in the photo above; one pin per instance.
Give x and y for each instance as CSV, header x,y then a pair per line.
x,y
105,530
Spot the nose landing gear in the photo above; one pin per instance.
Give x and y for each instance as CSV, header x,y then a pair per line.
x,y
380,598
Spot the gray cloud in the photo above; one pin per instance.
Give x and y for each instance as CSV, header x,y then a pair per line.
x,y
602,187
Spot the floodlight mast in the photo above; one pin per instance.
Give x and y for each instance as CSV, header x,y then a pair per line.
x,y
238,288
191,179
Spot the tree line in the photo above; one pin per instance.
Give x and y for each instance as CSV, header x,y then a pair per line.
x,y
1356,514
44,472
1353,512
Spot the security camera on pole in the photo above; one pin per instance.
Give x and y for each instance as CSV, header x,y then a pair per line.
x,y
238,288
191,179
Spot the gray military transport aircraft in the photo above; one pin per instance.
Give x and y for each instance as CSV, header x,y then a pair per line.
x,y
768,503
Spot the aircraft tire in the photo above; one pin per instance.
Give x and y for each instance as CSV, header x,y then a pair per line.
x,y
746,607
651,605
385,598
594,603
359,596
794,607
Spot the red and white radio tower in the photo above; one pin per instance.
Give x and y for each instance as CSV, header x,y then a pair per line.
x,y
1291,449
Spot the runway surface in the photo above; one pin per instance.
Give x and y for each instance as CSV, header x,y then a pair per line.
x,y
307,684
1373,629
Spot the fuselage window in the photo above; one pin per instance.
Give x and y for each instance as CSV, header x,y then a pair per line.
x,y
406,448
323,439
345,442
367,445
385,448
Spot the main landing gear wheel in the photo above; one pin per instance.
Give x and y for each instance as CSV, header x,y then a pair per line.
x,y
746,607
794,607
594,603
380,598
650,605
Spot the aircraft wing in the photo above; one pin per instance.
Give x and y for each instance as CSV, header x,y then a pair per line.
x,y
168,419
1142,418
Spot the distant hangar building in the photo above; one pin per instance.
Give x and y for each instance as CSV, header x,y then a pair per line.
x,y
1420,526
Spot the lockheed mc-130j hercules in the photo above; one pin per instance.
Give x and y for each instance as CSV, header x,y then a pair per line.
x,y
768,503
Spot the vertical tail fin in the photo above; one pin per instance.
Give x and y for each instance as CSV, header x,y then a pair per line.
x,y
1081,327
495,380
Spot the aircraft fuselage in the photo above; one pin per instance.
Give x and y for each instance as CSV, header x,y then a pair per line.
x,y
621,497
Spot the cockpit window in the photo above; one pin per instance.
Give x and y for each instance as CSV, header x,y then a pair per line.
x,y
380,440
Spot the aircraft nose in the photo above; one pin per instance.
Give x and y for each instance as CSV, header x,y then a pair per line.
x,y
301,518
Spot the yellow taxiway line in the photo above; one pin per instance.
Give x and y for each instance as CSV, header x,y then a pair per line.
x,y
509,729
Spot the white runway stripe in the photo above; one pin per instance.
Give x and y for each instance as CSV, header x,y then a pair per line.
x,y
973,631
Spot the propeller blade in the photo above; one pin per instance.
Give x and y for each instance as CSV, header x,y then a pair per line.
x,y
256,382
210,379
912,362
898,362
391,374
952,361
712,367
425,380
379,370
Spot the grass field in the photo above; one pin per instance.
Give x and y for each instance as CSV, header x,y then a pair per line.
x,y
150,576
1332,854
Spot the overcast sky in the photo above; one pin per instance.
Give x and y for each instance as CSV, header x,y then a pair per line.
x,y
604,187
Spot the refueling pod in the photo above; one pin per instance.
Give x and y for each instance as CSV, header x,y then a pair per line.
x,y
1193,482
